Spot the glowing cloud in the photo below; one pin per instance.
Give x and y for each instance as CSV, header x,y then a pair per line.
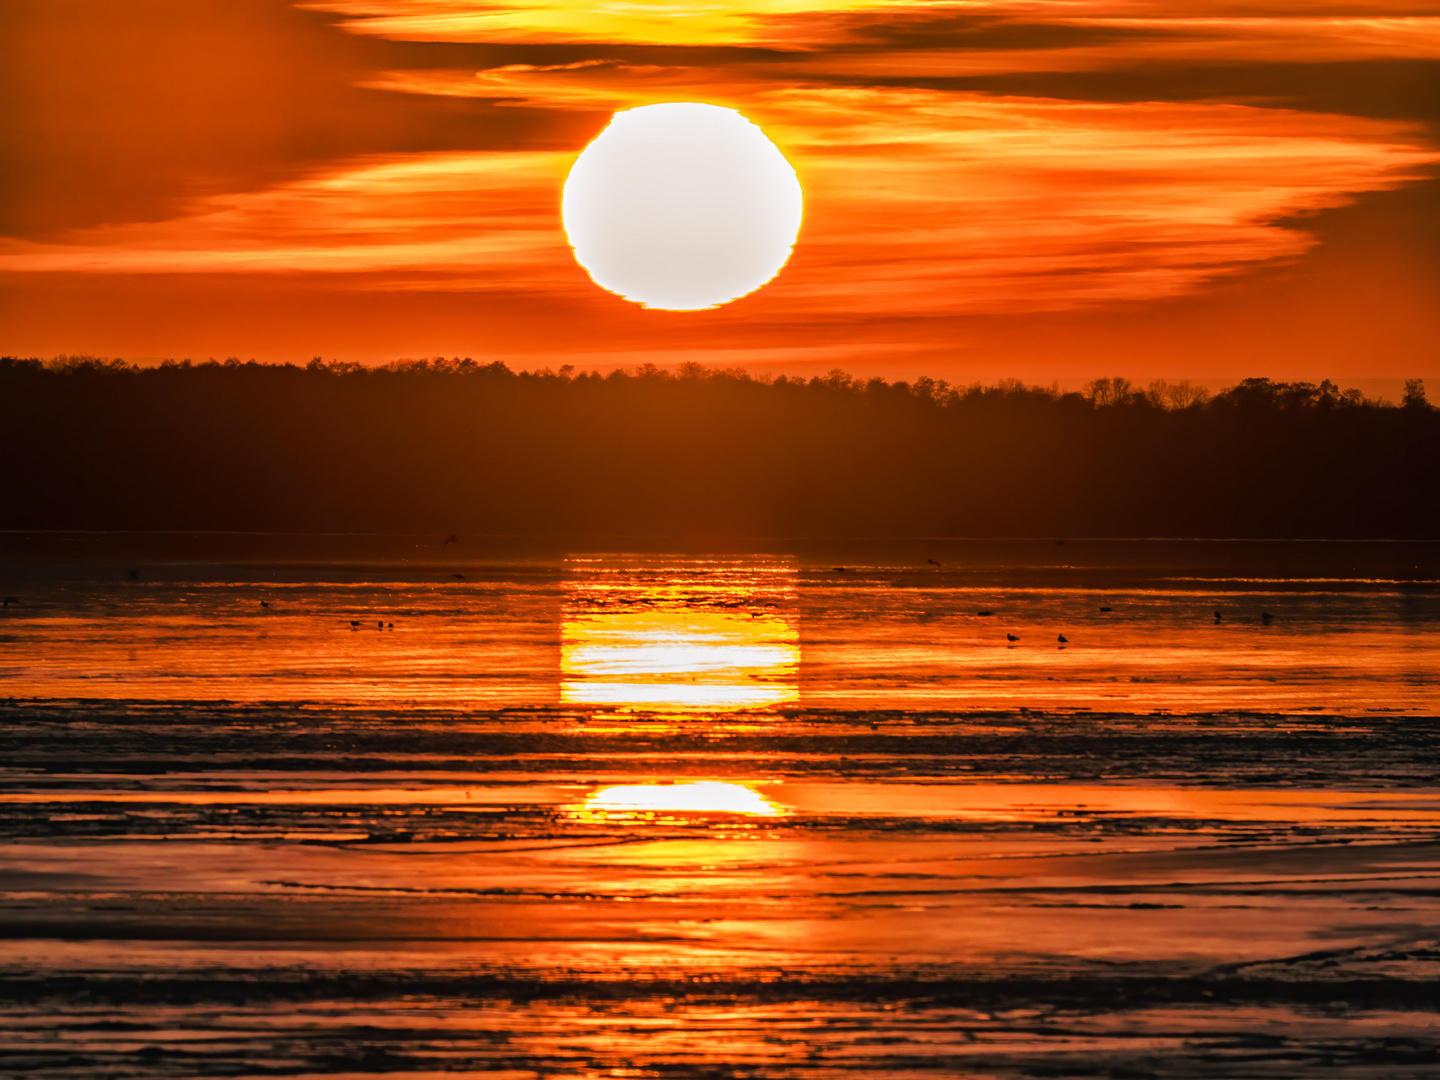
x,y
728,22
921,202
958,158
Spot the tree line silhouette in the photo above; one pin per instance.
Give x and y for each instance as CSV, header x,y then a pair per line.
x,y
455,445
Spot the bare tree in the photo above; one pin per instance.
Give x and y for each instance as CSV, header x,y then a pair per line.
x,y
1176,395
1184,394
1108,391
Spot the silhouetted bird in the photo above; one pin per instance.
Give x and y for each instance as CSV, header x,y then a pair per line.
x,y
9,600
1107,609
839,570
935,564
134,575
460,576
380,625
1218,616
1266,617
451,539
391,625
1011,637
355,623
1062,639
1059,543
264,603
984,613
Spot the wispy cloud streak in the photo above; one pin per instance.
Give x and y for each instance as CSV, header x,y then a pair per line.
x,y
921,202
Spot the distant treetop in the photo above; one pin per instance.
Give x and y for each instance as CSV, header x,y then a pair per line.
x,y
1102,393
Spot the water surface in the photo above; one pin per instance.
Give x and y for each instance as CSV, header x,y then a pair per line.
x,y
414,812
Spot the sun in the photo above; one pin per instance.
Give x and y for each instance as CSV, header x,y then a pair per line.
x,y
682,206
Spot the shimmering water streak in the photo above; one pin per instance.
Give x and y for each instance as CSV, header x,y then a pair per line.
x,y
621,801
689,634
445,642
878,639
699,637
1015,801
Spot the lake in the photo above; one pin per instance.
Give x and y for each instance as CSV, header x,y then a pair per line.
x,y
377,804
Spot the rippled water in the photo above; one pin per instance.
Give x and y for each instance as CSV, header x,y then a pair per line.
x,y
725,634
766,815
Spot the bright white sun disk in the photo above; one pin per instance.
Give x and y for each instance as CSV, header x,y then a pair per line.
x,y
682,206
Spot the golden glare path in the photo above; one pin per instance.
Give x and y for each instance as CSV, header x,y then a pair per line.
x,y
707,635
696,796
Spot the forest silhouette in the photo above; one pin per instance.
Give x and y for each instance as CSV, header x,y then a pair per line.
x,y
456,446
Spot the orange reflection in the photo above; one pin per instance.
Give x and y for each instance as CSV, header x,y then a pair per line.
x,y
697,797
690,634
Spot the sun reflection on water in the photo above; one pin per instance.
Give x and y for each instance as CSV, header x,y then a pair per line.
x,y
665,802
679,634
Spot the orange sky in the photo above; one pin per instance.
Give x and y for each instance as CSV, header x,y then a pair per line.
x,y
1045,188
